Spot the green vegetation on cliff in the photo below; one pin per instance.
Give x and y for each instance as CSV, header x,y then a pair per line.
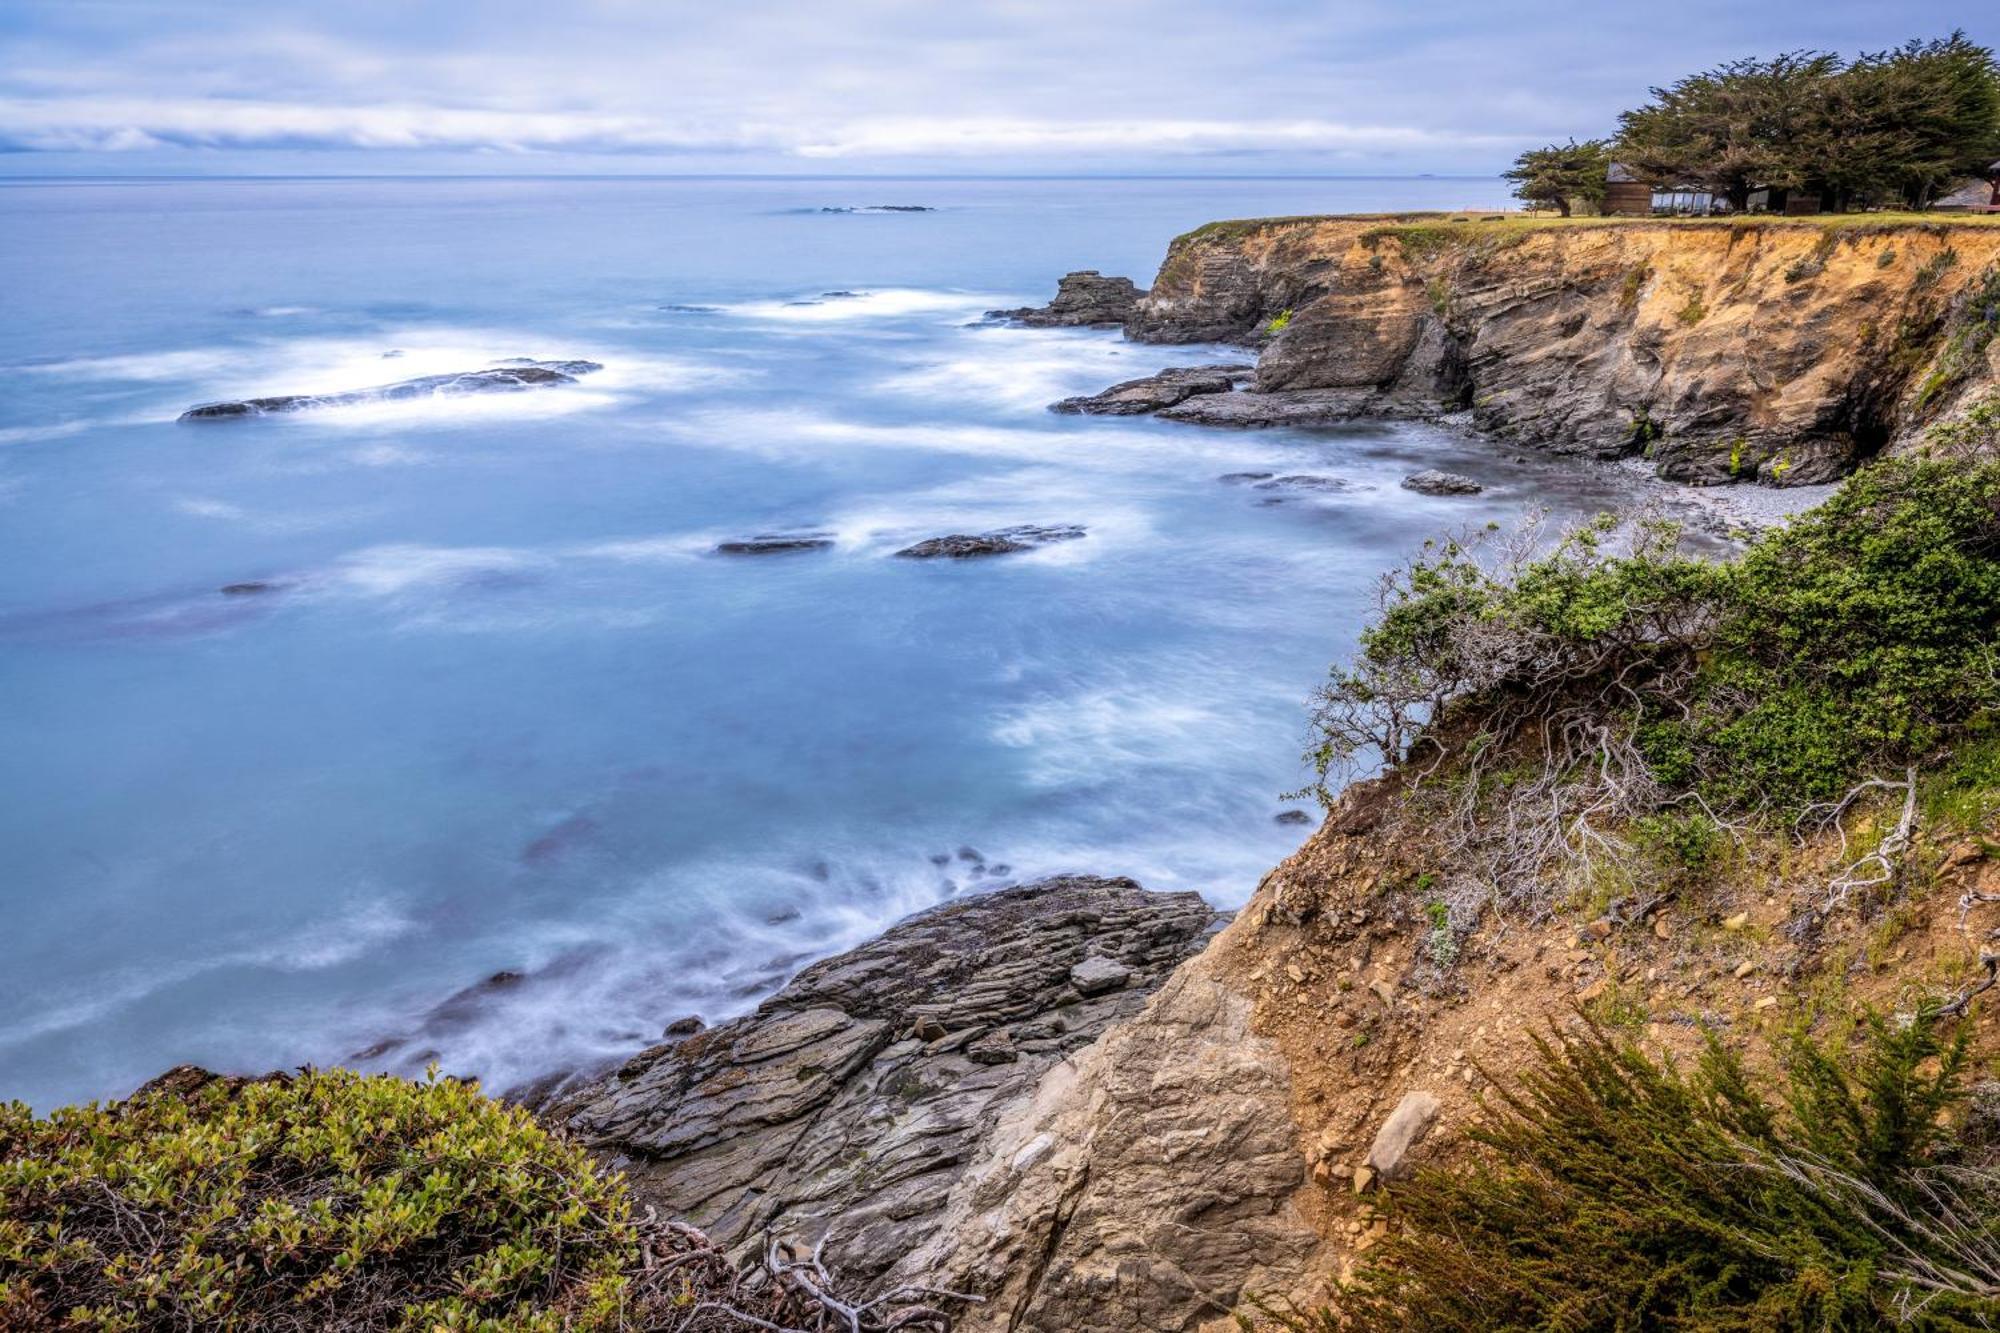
x,y
1546,701
1611,1191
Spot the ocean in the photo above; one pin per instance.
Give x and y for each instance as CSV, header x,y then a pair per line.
x,y
490,760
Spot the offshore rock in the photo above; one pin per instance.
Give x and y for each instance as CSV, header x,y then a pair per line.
x,y
966,546
1433,482
776,543
1154,392
855,1099
508,376
1084,299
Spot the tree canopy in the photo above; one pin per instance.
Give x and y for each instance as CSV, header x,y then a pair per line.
x,y
1561,176
1892,127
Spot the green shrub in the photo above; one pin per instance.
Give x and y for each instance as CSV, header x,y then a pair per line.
x,y
1614,1192
1625,677
327,1200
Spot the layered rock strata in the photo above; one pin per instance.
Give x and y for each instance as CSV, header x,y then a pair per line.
x,y
1780,351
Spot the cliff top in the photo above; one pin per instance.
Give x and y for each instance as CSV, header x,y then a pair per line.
x,y
1489,223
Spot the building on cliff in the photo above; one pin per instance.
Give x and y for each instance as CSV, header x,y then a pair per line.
x,y
1625,195
1973,195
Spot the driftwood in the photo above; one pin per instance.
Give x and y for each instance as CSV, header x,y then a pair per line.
x,y
693,1280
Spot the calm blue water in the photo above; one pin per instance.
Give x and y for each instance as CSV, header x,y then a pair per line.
x,y
504,710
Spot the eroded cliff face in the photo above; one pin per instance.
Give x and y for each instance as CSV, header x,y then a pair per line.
x,y
1784,351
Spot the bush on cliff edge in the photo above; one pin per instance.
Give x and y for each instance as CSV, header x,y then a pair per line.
x,y
1544,702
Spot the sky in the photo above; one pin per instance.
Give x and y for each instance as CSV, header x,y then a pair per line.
x,y
866,87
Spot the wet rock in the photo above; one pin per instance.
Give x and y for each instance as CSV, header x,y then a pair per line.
x,y
684,1027
963,546
692,309
1084,299
862,1089
878,208
1244,478
775,543
1389,1157
249,589
1251,409
509,376
1154,392
1098,976
1433,482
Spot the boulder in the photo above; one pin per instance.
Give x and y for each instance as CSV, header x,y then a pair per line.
x,y
965,546
829,1110
1098,975
1389,1157
1084,299
1433,482
1152,393
509,376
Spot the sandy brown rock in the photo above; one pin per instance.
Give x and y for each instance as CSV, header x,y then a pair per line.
x,y
1783,352
1150,1182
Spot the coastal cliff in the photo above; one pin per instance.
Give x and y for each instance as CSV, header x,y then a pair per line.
x,y
1783,351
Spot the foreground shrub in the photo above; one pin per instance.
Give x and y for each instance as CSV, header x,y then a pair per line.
x,y
1617,1193
1555,695
323,1201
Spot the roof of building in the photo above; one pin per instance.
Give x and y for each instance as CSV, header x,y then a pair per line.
x,y
1967,193
1620,174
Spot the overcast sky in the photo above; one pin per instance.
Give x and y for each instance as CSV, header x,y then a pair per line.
x,y
866,86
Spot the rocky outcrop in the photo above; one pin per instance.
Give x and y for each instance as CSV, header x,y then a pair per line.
x,y
506,377
859,1097
1155,392
1002,541
1084,299
1783,351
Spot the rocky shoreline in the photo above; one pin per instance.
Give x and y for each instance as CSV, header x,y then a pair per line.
x,y
867,1103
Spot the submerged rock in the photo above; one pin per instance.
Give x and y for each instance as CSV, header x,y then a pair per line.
x,y
1305,482
249,588
1433,482
1155,392
508,376
854,1098
1084,299
963,546
776,543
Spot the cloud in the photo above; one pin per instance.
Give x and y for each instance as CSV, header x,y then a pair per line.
x,y
1452,85
127,124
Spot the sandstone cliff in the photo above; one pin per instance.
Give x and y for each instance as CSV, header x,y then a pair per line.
x,y
1785,351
